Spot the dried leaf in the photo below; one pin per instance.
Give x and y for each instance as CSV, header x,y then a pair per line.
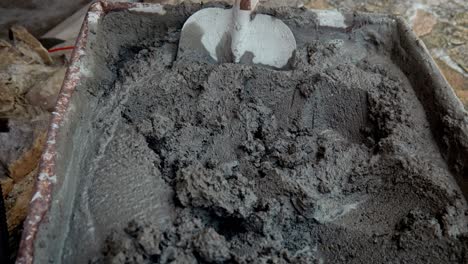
x,y
29,45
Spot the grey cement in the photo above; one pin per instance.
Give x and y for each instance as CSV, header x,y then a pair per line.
x,y
329,161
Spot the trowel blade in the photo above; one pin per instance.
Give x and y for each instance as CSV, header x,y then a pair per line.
x,y
203,32
266,40
269,41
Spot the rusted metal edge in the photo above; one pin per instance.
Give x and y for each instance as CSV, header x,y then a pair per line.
x,y
41,201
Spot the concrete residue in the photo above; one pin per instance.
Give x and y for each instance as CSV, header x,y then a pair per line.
x,y
154,8
331,161
331,18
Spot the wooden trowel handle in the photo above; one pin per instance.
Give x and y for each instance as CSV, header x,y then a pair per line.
x,y
247,5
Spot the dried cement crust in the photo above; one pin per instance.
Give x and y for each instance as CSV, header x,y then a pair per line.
x,y
186,161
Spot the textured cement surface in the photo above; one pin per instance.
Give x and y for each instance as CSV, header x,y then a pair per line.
x,y
329,161
441,24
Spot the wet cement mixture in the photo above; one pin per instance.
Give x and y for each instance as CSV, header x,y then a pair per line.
x,y
329,161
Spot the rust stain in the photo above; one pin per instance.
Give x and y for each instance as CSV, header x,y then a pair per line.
x,y
42,196
40,203
245,5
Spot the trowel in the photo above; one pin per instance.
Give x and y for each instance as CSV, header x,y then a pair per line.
x,y
238,35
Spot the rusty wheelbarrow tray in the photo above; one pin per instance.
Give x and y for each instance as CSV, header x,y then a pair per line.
x,y
448,120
